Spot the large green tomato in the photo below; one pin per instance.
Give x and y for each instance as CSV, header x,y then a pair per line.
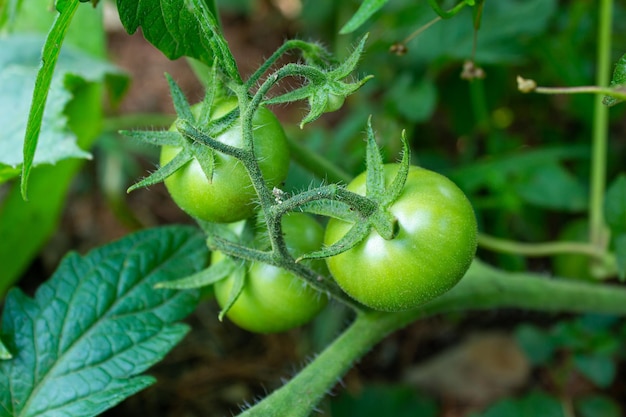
x,y
274,300
229,197
434,246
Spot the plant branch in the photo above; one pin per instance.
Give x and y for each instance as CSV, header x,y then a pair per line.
x,y
539,249
483,288
600,128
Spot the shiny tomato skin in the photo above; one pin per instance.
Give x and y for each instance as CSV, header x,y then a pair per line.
x,y
434,246
274,300
229,197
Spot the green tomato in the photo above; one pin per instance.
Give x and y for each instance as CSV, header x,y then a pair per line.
x,y
274,300
434,246
230,196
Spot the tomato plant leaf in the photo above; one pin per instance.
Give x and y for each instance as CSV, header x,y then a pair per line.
x,y
81,343
535,403
177,30
20,58
618,80
553,187
598,368
363,13
50,55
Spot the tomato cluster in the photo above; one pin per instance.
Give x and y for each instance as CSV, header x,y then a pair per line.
x,y
432,248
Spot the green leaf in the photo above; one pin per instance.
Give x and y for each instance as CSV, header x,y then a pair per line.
x,y
8,13
551,186
536,343
365,11
378,401
533,404
618,80
600,369
19,61
615,205
43,80
81,344
415,99
597,406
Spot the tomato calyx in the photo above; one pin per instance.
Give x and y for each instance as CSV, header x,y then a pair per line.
x,y
190,148
326,89
379,197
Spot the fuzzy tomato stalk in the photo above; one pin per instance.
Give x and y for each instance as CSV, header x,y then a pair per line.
x,y
434,246
229,196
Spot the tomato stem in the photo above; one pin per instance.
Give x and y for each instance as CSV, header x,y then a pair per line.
x,y
483,288
600,128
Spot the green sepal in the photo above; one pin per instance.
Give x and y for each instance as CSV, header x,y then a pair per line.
x,y
618,80
212,92
205,157
385,224
355,235
394,190
239,274
331,208
157,138
375,174
209,276
181,105
183,157
230,231
324,84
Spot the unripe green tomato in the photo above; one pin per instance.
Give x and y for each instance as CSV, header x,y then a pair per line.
x,y
230,196
434,246
274,300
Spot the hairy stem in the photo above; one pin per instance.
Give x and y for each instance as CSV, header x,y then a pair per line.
x,y
482,288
